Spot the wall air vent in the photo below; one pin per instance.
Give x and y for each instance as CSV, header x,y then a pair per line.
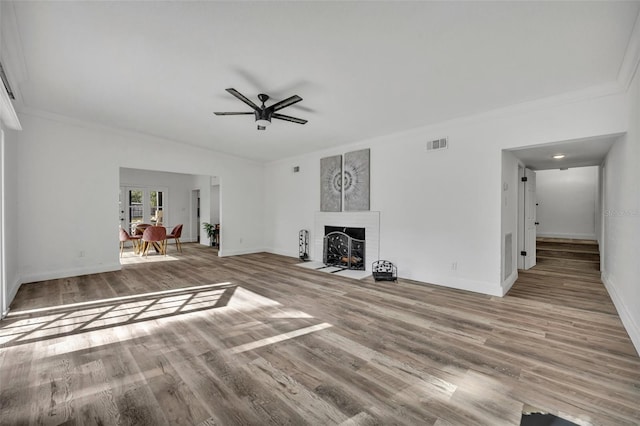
x,y
441,143
5,81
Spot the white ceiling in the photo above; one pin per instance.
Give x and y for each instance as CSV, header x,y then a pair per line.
x,y
364,69
577,153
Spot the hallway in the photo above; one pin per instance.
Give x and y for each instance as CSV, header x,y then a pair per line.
x,y
567,275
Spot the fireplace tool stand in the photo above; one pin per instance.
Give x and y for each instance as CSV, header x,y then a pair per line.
x,y
303,244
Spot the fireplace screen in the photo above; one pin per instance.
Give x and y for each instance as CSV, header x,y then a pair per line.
x,y
344,250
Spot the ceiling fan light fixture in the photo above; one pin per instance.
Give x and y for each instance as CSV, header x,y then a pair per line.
x,y
263,113
263,118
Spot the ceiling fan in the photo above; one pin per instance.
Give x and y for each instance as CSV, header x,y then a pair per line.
x,y
263,113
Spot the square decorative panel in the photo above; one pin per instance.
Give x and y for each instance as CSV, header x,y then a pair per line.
x,y
331,184
355,182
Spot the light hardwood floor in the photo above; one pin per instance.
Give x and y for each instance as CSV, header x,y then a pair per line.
x,y
201,340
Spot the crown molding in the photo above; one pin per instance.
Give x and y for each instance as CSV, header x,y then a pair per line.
x,y
631,59
26,111
583,95
11,53
7,112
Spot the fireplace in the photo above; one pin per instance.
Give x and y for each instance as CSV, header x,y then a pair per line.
x,y
368,220
344,247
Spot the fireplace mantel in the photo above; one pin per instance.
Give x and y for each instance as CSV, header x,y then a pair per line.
x,y
368,220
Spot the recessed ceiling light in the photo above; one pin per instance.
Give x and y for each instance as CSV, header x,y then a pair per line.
x,y
558,156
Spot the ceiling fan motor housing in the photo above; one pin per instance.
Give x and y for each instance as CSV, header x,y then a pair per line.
x,y
263,114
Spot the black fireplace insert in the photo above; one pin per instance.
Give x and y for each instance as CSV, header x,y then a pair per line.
x,y
344,247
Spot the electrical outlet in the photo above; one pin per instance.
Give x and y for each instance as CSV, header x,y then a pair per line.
x,y
454,266
81,253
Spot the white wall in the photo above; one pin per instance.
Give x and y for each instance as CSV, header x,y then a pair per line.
x,y
68,181
437,208
290,202
215,204
177,199
567,202
11,234
509,225
621,217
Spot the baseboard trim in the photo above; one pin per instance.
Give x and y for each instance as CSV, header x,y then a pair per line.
x,y
461,284
509,282
13,290
283,252
73,272
237,252
633,329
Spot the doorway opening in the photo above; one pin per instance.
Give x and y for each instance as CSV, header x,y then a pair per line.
x,y
166,199
195,209
532,219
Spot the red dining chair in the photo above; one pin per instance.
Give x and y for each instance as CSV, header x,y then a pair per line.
x,y
156,236
175,234
139,229
135,240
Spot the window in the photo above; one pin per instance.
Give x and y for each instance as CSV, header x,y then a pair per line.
x,y
156,203
143,205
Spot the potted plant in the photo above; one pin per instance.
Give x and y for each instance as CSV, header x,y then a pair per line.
x,y
210,229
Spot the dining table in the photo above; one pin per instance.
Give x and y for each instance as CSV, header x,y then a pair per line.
x,y
139,228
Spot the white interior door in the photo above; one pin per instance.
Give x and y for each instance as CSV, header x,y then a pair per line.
x,y
529,219
132,207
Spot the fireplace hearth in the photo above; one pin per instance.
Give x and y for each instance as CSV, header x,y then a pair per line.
x,y
325,222
344,247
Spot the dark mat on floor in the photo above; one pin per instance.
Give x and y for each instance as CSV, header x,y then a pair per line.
x,y
538,419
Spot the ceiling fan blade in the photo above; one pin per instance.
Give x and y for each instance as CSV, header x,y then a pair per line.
x,y
243,98
288,118
285,103
234,113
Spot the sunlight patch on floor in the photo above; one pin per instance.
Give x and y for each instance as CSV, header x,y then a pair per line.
x,y
76,325
279,338
60,322
130,258
291,314
12,314
244,299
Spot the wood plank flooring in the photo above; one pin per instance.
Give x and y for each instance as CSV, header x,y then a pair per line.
x,y
194,339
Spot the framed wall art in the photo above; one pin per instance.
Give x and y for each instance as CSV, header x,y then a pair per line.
x,y
331,184
355,183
